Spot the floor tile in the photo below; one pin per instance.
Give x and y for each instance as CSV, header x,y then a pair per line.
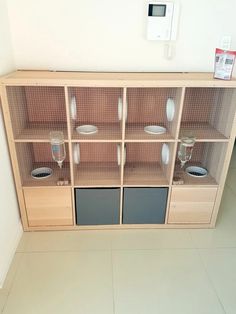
x,y
162,281
62,283
65,241
233,158
220,265
231,179
11,272
224,234
5,290
150,239
3,299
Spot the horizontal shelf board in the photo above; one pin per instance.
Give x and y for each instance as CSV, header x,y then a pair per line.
x,y
136,132
97,174
189,180
39,132
146,185
151,141
144,174
110,132
202,131
112,227
92,79
97,186
58,173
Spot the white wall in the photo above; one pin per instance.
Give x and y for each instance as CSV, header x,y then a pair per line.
x,y
10,226
110,35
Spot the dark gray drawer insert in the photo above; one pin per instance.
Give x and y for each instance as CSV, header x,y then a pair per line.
x,y
144,205
99,206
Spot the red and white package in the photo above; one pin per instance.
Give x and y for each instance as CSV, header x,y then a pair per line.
x,y
224,63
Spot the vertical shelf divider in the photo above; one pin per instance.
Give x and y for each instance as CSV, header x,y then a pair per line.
x,y
124,107
70,150
178,122
14,160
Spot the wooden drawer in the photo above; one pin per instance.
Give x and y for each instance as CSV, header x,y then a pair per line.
x,y
191,205
48,206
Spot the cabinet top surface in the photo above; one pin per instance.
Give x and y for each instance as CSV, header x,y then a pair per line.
x,y
118,79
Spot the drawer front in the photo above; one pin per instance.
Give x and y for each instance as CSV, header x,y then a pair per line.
x,y
144,205
48,206
97,206
191,205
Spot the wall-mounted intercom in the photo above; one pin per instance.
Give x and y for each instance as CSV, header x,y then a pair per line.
x,y
162,20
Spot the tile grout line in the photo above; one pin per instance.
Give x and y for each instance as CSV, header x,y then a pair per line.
x,y
13,280
210,281
112,279
197,250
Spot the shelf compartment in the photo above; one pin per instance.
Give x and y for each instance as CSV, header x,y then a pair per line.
x,y
144,166
144,205
95,106
209,155
98,165
147,106
208,113
37,110
35,155
97,206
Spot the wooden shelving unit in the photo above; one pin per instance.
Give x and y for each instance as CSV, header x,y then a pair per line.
x,y
120,161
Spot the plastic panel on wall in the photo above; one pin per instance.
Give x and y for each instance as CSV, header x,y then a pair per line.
x,y
97,206
144,205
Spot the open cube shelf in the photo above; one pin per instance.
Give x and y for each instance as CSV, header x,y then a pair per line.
x,y
144,164
36,155
208,113
37,110
148,106
98,164
121,167
101,107
207,155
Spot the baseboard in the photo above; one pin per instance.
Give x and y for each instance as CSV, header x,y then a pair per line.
x,y
9,253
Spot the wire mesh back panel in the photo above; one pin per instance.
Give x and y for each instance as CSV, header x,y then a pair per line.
x,y
147,106
143,164
99,107
36,155
206,113
37,110
98,165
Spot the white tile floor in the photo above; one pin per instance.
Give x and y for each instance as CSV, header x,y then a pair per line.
x,y
128,272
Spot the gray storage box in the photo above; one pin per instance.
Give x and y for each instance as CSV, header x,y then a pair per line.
x,y
99,206
144,205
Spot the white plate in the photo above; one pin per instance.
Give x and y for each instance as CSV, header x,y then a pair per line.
x,y
120,108
37,172
170,109
154,129
202,171
165,154
76,154
87,129
73,109
126,110
124,161
118,154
